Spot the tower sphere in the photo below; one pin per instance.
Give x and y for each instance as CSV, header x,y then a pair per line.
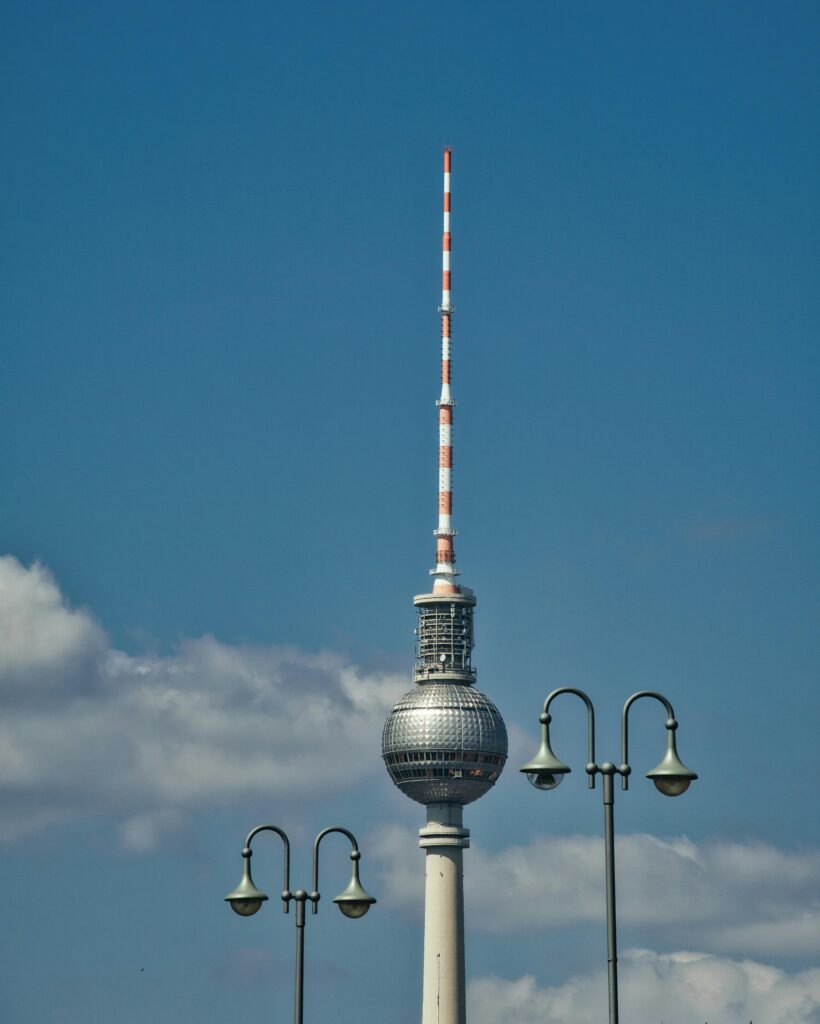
x,y
444,743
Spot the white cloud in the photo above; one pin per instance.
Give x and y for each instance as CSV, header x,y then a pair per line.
x,y
43,642
677,988
146,831
395,853
151,738
748,898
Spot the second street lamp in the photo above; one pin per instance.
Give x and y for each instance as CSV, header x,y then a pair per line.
x,y
671,777
353,901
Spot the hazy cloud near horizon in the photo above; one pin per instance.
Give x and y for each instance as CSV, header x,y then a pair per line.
x,y
675,988
728,897
87,729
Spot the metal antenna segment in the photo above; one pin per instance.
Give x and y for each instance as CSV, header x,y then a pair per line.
x,y
445,570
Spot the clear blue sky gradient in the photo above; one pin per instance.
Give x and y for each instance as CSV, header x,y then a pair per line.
x,y
219,362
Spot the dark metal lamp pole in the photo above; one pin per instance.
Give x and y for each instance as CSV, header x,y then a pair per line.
x,y
671,777
246,899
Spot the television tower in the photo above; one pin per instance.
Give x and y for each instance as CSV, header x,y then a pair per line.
x,y
444,743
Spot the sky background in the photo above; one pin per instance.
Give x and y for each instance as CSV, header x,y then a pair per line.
x,y
219,363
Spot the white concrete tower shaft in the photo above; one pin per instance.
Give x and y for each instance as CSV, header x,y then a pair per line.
x,y
443,840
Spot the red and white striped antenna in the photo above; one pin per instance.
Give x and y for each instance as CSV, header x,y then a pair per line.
x,y
445,570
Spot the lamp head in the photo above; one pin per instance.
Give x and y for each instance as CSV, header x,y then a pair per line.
x,y
246,899
671,776
355,901
545,770
546,780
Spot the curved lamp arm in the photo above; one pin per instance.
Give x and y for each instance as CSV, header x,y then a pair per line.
x,y
546,718
248,853
354,901
624,770
354,856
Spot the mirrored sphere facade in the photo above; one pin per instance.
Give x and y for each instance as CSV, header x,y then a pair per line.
x,y
444,743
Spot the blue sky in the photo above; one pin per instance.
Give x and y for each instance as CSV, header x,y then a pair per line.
x,y
220,357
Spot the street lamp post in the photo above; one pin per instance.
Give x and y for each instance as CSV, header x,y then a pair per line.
x,y
671,777
353,901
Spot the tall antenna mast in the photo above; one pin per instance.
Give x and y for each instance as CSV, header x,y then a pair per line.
x,y
445,570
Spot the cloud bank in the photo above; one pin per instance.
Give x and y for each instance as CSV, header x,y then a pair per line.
x,y
86,729
677,988
748,898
